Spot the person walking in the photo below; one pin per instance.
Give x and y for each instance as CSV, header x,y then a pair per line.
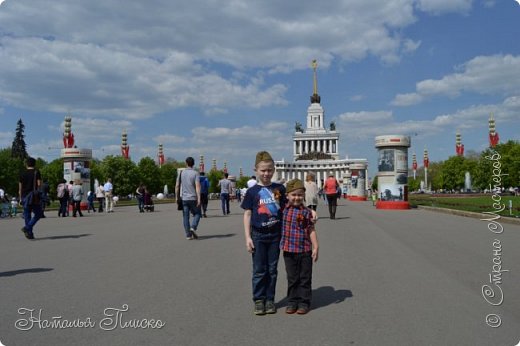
x,y
77,196
30,197
226,188
100,195
109,202
90,200
139,193
311,192
187,186
62,192
204,192
331,191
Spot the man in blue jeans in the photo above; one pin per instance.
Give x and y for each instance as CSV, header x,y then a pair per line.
x,y
188,187
226,187
30,182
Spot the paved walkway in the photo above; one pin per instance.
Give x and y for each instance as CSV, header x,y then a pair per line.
x,y
383,278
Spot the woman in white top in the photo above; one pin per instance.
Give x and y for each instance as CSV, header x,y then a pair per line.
x,y
311,191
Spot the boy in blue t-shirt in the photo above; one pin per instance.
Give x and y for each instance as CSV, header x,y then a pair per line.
x,y
263,205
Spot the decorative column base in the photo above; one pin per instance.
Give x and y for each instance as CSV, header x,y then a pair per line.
x,y
395,205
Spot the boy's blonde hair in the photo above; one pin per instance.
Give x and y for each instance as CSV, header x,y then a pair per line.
x,y
263,156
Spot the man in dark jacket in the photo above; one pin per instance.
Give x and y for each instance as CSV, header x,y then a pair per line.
x,y
29,184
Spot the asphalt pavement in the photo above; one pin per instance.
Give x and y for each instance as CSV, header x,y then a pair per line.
x,y
412,277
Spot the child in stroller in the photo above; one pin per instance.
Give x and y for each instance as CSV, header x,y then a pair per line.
x,y
148,202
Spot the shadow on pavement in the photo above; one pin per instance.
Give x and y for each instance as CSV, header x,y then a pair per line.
x,y
203,237
324,296
57,237
25,271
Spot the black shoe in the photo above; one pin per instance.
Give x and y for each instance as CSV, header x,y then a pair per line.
x,y
302,309
270,308
291,308
204,215
259,307
26,233
193,234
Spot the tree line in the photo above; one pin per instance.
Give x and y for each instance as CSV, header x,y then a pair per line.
x,y
450,174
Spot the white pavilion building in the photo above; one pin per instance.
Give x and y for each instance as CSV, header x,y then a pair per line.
x,y
316,150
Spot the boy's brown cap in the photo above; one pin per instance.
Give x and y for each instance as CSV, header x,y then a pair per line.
x,y
294,184
263,156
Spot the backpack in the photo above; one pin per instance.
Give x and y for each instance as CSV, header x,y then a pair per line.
x,y
61,190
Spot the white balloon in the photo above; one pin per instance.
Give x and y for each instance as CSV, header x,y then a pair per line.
x,y
160,196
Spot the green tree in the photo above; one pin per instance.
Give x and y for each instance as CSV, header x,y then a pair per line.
x,y
242,182
123,172
18,148
168,175
149,174
214,176
505,157
452,173
10,170
52,173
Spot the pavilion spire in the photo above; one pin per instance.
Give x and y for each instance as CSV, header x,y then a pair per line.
x,y
315,98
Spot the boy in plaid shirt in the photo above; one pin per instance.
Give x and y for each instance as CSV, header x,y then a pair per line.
x,y
299,244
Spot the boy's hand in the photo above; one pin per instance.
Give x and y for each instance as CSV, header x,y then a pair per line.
x,y
250,246
314,216
314,255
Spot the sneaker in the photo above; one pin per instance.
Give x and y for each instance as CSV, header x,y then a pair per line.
x,y
302,309
26,233
193,234
189,238
259,307
291,309
270,308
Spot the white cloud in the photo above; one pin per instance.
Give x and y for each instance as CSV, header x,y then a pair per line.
x,y
496,74
100,58
444,6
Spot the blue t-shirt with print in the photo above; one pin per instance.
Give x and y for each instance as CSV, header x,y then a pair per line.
x,y
266,204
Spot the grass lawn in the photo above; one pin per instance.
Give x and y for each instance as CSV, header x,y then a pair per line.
x,y
476,203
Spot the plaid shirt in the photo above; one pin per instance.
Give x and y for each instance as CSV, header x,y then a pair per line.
x,y
296,229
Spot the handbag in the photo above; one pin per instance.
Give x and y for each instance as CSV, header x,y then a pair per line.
x,y
179,198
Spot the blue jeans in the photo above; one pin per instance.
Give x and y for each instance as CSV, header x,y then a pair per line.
x,y
224,197
190,207
30,219
265,264
140,202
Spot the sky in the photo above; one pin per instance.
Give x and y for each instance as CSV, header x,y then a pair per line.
x,y
226,79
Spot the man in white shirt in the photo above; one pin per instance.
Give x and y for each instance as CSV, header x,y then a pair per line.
x,y
109,203
251,182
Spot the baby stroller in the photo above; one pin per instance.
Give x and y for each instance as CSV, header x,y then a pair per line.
x,y
148,202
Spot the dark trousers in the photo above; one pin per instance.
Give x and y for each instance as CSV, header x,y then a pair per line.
x,y
76,208
299,277
63,207
101,200
204,202
333,202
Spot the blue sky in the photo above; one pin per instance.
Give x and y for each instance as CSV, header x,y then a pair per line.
x,y
226,79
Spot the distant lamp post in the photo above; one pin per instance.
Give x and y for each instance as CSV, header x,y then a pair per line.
x,y
201,164
414,165
493,135
160,155
426,162
125,148
459,147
